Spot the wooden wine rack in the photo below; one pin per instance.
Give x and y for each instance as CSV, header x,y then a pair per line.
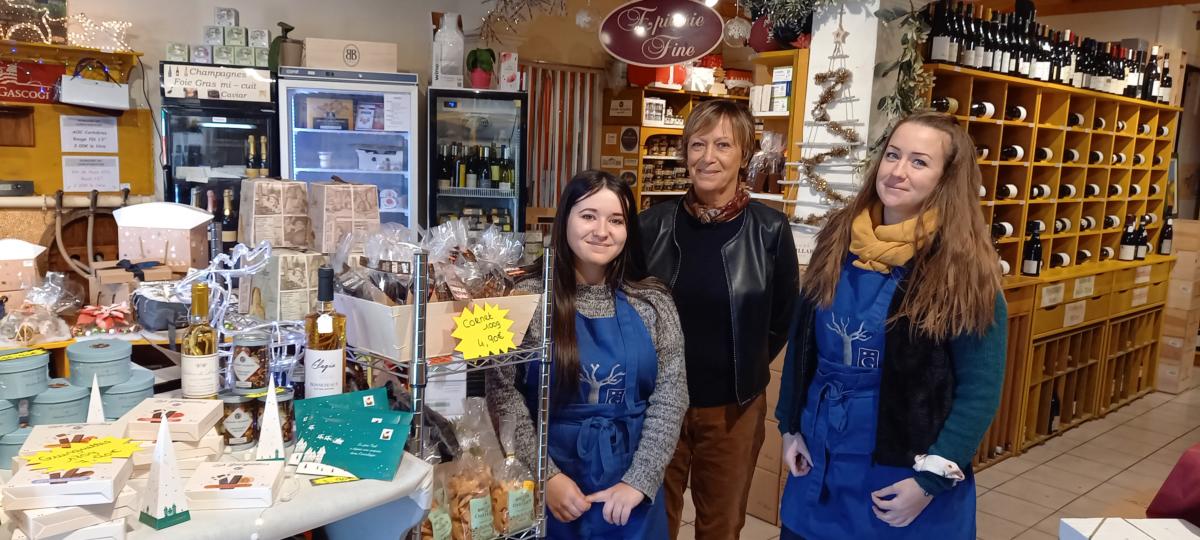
x,y
1084,335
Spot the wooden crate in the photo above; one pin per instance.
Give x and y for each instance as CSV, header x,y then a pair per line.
x,y
1131,352
1062,375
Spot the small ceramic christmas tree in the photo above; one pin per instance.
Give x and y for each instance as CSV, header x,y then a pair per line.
x,y
163,502
270,435
95,406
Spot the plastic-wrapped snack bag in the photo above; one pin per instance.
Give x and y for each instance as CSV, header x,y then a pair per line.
x,y
446,244
388,260
512,489
469,496
767,165
437,525
486,274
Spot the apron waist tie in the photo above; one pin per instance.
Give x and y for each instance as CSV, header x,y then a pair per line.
x,y
834,396
601,433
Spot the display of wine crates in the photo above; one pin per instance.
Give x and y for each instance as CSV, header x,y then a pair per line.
x,y
1068,349
1181,320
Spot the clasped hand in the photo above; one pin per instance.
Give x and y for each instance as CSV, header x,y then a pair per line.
x,y
566,502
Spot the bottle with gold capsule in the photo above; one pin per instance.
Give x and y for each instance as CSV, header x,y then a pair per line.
x,y
325,358
199,364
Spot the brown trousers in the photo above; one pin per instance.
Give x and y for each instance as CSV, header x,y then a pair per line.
x,y
717,450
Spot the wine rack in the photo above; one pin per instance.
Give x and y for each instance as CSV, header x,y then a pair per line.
x,y
1086,158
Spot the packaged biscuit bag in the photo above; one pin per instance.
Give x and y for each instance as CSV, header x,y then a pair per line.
x,y
512,488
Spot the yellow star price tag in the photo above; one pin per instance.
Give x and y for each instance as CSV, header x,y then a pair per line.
x,y
100,450
483,331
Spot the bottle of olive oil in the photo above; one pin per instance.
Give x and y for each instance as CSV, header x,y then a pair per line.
x,y
325,358
199,363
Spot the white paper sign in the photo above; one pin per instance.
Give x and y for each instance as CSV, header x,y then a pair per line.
x,y
620,107
1143,275
1052,294
1140,295
1074,312
88,133
397,112
216,83
85,173
1084,286
610,162
446,393
610,138
805,244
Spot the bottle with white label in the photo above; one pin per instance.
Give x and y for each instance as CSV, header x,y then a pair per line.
x,y
1061,225
1167,238
1074,119
1002,229
198,365
325,358
981,152
1006,191
1135,190
1114,190
1031,258
1157,161
1095,157
1086,223
1154,189
1120,126
1143,129
1035,225
1012,152
1106,253
983,109
1099,123
1039,191
1118,158
1043,154
1067,191
1059,260
1016,113
1163,130
1070,155
1091,190
1128,248
1082,256
1111,222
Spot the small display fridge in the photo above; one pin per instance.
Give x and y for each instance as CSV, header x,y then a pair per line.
x,y
358,126
477,158
219,125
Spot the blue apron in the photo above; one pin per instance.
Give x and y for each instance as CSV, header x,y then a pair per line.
x,y
593,438
833,501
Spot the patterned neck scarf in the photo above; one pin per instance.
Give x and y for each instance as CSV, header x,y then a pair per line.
x,y
712,214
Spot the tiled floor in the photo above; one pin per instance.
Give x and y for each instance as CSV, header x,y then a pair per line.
x,y
1107,467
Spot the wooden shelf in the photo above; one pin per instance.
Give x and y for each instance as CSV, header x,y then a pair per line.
x,y
700,95
987,75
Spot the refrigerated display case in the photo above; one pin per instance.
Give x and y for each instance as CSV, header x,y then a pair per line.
x,y
477,158
213,137
359,126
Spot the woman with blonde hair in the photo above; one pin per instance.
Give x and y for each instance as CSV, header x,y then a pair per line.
x,y
896,358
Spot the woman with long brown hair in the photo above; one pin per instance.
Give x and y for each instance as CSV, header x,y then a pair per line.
x,y
896,358
617,384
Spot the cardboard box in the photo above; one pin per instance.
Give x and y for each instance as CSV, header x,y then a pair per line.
x,y
328,113
177,52
49,437
50,522
285,289
243,56
201,54
764,496
1126,529
654,112
18,264
112,284
1180,323
109,530
770,457
350,54
224,54
188,419
1183,294
276,211
100,483
262,57
510,73
235,35
258,37
338,208
214,36
211,444
234,485
1187,266
1187,235
1175,378
171,233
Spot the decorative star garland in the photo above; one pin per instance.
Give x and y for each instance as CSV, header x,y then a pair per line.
x,y
34,22
507,14
108,36
833,82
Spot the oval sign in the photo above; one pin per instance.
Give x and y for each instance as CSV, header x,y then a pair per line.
x,y
655,33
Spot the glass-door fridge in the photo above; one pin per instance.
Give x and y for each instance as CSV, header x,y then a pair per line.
x,y
477,158
359,126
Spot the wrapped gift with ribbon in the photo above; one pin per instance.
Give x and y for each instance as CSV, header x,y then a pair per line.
x,y
110,319
112,281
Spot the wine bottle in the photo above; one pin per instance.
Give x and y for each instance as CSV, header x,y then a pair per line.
x,y
940,36
1043,154
264,167
1082,256
1154,189
1141,241
1016,113
1166,239
981,152
1074,119
1012,152
1086,223
1070,155
229,224
1163,130
251,161
1066,191
1143,129
198,365
1002,229
1095,157
1039,191
1091,190
1106,253
1035,225
1114,190
1165,83
946,105
1157,161
982,192
1006,191
1149,81
1128,246
1055,413
1118,158
1135,190
1061,225
325,358
1031,257
983,109
1099,123
1111,222
1138,160
1059,260
1005,269
1120,126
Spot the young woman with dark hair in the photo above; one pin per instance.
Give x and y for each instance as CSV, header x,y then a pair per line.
x,y
896,359
618,388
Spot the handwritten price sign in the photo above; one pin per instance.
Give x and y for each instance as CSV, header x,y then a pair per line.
x,y
101,450
483,331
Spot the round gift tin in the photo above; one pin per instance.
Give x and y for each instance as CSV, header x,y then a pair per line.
x,y
239,422
9,421
61,403
250,364
25,374
119,398
287,414
107,359
10,445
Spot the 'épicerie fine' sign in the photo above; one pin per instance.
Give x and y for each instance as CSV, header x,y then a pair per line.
x,y
661,32
216,83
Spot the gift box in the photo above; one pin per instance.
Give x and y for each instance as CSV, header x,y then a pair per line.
x,y
328,113
99,483
509,72
670,77
109,530
171,233
210,445
234,485
51,436
18,266
337,208
258,37
42,523
188,419
276,211
113,281
285,289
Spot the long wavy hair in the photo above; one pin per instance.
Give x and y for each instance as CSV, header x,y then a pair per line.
x,y
627,272
955,273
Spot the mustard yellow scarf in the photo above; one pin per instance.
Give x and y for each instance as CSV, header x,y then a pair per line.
x,y
881,247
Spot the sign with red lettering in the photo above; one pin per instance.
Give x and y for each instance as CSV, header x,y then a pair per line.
x,y
29,82
655,33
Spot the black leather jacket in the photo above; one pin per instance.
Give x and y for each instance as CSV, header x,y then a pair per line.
x,y
763,277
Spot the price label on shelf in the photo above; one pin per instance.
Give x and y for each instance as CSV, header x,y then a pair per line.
x,y
1140,295
1074,312
483,330
1143,275
1052,294
1084,287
